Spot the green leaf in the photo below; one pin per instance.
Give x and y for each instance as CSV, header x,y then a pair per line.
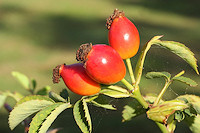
x,y
150,98
23,79
34,97
56,97
140,62
2,100
102,101
44,91
34,84
82,116
191,100
132,110
161,112
64,94
186,80
114,93
171,123
26,107
182,51
15,95
117,88
41,116
151,75
179,116
193,123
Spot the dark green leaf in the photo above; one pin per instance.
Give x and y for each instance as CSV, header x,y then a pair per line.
x,y
186,80
23,79
44,91
182,51
26,107
34,84
64,94
132,110
151,75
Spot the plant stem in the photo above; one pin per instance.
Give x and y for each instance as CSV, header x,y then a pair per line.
x,y
137,95
127,84
130,69
162,127
162,93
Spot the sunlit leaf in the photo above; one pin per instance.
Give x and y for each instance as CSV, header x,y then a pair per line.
x,y
151,75
140,62
193,123
56,97
82,116
161,112
51,117
191,100
182,51
179,116
186,80
103,102
26,107
114,93
2,100
23,79
40,117
132,110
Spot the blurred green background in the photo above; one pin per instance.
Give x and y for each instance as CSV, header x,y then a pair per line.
x,y
37,35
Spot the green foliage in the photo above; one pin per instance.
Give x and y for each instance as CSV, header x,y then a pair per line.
x,y
56,97
131,110
44,91
52,115
151,75
181,50
102,101
2,100
115,92
193,123
162,111
82,116
23,79
26,107
186,80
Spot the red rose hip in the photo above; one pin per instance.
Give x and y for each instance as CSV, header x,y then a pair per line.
x,y
123,36
76,79
102,63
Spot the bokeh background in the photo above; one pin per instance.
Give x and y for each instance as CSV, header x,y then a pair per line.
x,y
37,35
